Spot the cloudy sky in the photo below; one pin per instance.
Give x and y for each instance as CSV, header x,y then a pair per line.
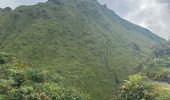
x,y
152,14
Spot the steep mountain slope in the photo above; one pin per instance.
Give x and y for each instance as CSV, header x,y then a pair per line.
x,y
80,39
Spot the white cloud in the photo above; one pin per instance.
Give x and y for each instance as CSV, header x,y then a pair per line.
x,y
152,14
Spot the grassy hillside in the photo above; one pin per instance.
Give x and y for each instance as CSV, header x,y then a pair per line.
x,y
80,39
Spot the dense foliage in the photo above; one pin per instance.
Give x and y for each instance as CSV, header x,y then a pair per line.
x,y
136,88
156,84
139,87
20,82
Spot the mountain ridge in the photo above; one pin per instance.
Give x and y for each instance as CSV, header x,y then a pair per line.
x,y
82,40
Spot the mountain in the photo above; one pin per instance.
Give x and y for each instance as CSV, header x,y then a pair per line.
x,y
82,40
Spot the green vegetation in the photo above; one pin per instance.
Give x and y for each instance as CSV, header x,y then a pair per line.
x,y
153,81
136,88
139,88
19,82
157,66
81,40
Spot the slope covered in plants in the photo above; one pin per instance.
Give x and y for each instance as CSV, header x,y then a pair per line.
x,y
153,79
82,40
18,81
139,87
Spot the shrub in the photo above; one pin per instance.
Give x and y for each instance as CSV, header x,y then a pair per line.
x,y
38,76
19,78
5,58
5,86
161,76
13,94
137,89
24,93
57,92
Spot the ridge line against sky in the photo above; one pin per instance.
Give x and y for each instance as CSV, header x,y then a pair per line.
x,y
151,14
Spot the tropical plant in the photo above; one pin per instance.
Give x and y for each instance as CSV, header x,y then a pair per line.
x,y
136,88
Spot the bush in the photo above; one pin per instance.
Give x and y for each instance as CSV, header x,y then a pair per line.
x,y
38,76
5,86
19,78
158,75
137,89
24,93
57,92
5,58
161,76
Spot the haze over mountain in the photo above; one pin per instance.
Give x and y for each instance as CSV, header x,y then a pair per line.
x,y
80,39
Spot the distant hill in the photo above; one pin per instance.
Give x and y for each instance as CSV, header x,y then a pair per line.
x,y
80,39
